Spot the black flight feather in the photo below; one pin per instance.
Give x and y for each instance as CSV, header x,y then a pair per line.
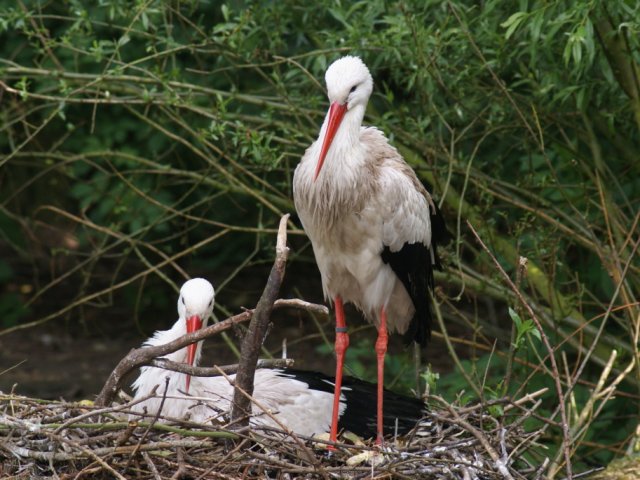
x,y
413,264
360,415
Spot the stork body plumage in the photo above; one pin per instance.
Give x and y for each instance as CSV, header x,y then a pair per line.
x,y
301,401
372,224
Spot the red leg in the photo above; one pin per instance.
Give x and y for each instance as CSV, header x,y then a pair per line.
x,y
381,350
341,345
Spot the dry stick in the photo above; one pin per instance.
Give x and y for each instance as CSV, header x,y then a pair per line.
x,y
102,411
566,441
150,426
216,370
500,463
181,472
38,455
241,409
142,356
529,397
152,466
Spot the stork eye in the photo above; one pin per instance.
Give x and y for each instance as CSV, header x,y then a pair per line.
x,y
211,302
182,298
353,89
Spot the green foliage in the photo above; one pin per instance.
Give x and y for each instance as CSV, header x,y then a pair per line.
x,y
431,379
141,141
524,328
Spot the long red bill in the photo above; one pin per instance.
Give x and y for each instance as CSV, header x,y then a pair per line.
x,y
194,323
336,113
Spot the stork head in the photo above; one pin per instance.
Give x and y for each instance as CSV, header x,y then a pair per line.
x,y
195,306
349,85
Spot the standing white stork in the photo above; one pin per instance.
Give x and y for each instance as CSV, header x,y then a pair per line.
x,y
372,224
299,400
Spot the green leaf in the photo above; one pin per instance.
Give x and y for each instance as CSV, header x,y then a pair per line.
x,y
123,40
515,317
523,328
512,23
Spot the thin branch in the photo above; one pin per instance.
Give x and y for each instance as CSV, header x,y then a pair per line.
x,y
215,371
255,336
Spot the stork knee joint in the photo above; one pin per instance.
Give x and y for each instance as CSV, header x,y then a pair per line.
x,y
342,342
381,344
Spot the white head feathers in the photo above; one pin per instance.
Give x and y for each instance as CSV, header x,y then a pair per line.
x,y
196,298
349,81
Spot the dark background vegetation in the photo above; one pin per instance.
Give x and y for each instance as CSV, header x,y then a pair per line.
x,y
142,143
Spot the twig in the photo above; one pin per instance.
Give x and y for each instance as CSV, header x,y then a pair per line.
x,y
215,371
301,305
241,408
527,398
151,465
102,411
151,424
566,434
182,469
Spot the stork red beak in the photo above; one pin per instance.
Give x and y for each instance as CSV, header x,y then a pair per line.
x,y
194,323
336,113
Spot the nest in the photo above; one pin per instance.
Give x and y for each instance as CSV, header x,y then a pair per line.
x,y
78,440
103,440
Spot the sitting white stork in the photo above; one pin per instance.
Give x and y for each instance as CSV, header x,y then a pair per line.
x,y
372,224
300,400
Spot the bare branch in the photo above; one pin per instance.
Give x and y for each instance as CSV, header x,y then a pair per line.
x,y
254,338
216,370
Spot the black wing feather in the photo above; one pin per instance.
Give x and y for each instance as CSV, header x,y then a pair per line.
x,y
360,416
414,267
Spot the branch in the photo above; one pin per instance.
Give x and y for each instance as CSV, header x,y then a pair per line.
x,y
500,462
216,371
241,407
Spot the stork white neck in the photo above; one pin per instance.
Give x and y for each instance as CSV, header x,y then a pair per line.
x,y
345,151
162,337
